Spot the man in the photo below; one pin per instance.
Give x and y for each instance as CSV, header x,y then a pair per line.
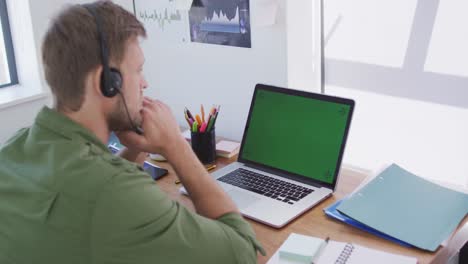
x,y
64,198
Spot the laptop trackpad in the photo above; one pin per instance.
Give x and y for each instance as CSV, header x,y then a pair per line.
x,y
242,199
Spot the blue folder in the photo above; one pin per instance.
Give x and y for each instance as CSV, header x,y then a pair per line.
x,y
335,214
407,207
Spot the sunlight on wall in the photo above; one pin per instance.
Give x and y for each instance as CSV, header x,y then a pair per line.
x,y
353,35
448,50
405,64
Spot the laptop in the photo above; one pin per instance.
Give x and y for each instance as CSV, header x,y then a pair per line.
x,y
290,154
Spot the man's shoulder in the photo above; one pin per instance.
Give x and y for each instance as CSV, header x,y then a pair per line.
x,y
97,167
76,167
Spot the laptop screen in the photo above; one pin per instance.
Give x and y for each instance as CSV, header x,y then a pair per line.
x,y
297,132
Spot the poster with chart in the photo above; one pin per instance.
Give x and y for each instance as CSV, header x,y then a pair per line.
x,y
221,22
165,20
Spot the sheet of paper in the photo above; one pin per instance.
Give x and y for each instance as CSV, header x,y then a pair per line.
x,y
266,12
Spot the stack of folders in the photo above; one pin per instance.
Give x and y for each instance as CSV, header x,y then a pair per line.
x,y
301,249
404,208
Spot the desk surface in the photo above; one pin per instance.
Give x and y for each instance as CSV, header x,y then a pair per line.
x,y
313,222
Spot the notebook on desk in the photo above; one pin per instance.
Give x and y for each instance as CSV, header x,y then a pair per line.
x,y
290,154
293,251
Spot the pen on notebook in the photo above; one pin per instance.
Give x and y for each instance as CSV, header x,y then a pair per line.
x,y
320,250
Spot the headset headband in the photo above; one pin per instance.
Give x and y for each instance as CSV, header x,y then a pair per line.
x,y
102,43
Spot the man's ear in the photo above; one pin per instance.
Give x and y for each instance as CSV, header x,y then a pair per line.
x,y
94,80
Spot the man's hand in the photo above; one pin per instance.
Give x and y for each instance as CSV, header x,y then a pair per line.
x,y
161,130
162,135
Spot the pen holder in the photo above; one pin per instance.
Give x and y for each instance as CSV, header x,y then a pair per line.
x,y
204,146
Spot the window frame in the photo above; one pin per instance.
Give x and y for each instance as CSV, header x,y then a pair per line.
x,y
9,49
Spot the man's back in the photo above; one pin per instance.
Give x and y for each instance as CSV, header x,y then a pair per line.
x,y
48,189
65,199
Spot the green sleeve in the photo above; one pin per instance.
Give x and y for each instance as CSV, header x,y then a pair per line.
x,y
135,222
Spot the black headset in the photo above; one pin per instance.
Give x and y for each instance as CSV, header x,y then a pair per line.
x,y
111,78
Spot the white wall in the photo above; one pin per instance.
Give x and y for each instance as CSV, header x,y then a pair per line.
x,y
19,104
18,116
303,29
404,62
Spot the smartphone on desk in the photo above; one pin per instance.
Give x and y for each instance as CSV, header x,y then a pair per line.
x,y
153,170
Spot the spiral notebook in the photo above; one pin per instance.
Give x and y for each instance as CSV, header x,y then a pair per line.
x,y
347,253
333,252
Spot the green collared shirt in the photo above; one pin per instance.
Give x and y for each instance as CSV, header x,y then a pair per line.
x,y
64,198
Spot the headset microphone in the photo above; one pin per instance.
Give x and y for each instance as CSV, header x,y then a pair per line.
x,y
111,78
136,128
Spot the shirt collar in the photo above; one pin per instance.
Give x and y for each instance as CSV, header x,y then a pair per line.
x,y
66,127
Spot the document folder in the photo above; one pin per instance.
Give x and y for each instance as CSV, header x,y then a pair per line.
x,y
335,214
407,207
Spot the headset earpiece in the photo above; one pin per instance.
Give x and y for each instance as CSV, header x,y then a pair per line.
x,y
113,85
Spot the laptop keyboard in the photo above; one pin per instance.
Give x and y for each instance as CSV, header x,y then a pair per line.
x,y
267,186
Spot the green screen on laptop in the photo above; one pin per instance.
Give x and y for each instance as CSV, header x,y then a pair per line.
x,y
296,134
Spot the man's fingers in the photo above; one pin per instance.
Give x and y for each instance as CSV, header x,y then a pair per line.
x,y
149,104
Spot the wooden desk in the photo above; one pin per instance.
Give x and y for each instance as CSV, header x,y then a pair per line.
x,y
314,222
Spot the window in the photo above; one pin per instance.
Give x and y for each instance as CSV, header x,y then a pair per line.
x,y
8,74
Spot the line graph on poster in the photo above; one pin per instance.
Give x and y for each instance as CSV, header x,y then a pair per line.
x,y
164,19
